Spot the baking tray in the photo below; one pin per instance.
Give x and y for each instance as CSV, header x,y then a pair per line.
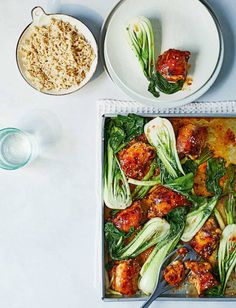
x,y
109,108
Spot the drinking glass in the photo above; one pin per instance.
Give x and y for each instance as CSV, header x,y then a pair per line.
x,y
17,148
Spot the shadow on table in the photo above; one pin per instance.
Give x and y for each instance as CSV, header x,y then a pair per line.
x,y
86,15
229,42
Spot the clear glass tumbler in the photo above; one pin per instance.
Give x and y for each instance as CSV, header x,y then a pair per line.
x,y
17,148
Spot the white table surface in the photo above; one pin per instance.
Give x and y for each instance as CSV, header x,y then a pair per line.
x,y
48,222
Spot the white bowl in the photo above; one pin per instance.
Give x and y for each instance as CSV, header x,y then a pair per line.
x,y
180,24
40,18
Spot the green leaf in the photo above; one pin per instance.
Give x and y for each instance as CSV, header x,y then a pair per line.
x,y
115,238
158,82
192,165
121,130
214,172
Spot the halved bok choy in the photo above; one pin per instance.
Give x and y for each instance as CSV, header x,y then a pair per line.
x,y
153,232
116,193
150,270
160,134
141,39
196,219
227,254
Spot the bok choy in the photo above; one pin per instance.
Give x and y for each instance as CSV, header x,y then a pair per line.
x,y
117,193
196,218
141,38
150,270
153,232
149,180
119,131
227,254
160,134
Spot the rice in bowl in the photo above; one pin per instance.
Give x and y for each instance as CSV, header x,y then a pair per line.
x,y
56,56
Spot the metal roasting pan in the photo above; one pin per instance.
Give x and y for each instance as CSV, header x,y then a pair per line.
x,y
171,296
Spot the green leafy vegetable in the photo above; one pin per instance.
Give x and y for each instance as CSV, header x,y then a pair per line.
x,y
153,232
160,134
119,131
227,254
192,165
219,219
141,39
229,191
229,184
151,268
183,184
145,183
196,218
141,190
230,209
158,82
116,190
115,238
215,171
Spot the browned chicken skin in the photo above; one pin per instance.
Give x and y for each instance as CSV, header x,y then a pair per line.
x,y
201,276
162,200
174,273
135,160
173,64
207,239
130,217
191,140
200,181
124,277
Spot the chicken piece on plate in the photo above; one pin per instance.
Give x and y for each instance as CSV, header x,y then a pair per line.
x,y
162,200
200,275
191,140
207,239
174,273
173,64
124,277
136,158
131,217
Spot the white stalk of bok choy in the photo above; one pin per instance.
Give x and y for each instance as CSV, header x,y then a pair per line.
x,y
153,232
116,193
141,39
227,254
151,268
196,219
160,134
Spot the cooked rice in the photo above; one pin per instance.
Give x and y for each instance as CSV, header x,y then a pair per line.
x,y
56,56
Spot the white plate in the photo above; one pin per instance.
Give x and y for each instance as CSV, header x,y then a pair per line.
x,y
181,24
40,18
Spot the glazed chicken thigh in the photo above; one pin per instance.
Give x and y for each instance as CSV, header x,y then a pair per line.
x,y
173,64
162,200
124,277
191,140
